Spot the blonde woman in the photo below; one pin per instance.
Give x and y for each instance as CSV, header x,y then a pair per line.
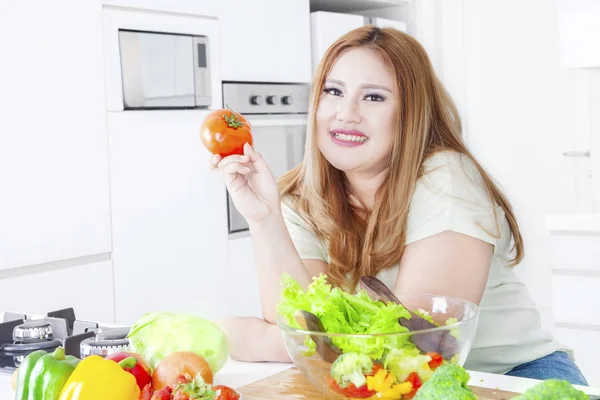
x,y
388,188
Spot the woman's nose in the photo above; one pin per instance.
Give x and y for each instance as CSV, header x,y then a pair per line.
x,y
349,111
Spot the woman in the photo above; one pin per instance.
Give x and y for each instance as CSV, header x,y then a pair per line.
x,y
388,188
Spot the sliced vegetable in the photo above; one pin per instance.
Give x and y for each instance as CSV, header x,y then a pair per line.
x,y
225,393
383,383
401,362
416,383
436,360
351,368
156,335
196,389
351,390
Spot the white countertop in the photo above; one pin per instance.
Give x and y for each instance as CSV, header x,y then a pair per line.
x,y
236,374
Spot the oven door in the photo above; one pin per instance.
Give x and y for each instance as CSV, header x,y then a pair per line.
x,y
280,139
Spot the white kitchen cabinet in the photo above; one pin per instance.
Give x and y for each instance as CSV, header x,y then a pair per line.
x,y
579,33
204,8
87,288
169,217
327,27
265,40
53,152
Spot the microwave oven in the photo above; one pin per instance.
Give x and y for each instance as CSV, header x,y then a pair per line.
x,y
164,70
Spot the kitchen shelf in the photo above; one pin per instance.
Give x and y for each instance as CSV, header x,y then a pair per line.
x,y
353,6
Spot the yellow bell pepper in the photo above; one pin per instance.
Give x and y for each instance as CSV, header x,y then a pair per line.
x,y
98,379
383,383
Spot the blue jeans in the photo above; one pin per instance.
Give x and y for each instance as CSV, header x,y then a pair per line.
x,y
557,365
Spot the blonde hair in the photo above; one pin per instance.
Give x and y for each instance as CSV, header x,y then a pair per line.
x,y
427,122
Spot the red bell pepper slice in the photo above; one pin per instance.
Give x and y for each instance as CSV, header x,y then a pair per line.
x,y
361,392
436,360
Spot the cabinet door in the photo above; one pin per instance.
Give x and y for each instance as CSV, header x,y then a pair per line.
x,y
169,217
327,27
265,40
87,288
53,152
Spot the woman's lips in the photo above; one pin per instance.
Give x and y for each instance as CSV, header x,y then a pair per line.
x,y
348,138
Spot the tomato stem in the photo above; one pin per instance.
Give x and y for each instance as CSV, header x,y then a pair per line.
x,y
232,120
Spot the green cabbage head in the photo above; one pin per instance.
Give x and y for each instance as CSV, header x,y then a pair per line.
x,y
156,335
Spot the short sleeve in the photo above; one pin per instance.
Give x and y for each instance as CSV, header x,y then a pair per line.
x,y
451,196
307,244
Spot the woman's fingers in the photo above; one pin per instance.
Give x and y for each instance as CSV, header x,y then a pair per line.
x,y
234,168
214,161
258,162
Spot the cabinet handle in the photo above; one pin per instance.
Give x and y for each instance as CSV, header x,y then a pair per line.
x,y
576,153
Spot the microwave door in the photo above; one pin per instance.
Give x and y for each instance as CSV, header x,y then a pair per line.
x,y
157,70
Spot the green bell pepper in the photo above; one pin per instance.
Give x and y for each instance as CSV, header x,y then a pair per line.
x,y
42,375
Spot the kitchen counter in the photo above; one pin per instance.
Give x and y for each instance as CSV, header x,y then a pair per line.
x,y
236,374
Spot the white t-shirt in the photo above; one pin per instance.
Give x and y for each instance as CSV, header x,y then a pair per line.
x,y
451,196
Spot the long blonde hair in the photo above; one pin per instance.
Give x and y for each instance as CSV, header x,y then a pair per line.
x,y
427,122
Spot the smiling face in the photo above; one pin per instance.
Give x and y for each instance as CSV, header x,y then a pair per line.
x,y
356,113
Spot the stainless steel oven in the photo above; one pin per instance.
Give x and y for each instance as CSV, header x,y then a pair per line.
x,y
277,113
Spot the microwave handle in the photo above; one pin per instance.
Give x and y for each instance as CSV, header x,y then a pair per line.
x,y
202,83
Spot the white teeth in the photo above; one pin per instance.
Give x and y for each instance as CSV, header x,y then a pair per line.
x,y
350,138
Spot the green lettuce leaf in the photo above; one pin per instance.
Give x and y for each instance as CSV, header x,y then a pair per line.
x,y
342,312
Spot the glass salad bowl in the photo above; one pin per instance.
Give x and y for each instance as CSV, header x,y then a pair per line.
x,y
352,346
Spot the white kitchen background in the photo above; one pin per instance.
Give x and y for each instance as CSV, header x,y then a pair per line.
x,y
114,213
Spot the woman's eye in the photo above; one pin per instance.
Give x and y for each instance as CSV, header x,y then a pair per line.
x,y
374,97
333,91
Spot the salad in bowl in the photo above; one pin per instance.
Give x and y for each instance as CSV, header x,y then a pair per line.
x,y
361,346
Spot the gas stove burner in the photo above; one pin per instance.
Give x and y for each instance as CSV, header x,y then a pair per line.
x,y
21,348
35,330
21,334
103,347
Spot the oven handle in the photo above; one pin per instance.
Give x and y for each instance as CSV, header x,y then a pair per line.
x,y
277,122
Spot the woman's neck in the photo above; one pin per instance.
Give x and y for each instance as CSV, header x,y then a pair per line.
x,y
364,186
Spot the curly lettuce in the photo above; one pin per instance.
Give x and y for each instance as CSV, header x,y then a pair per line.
x,y
346,313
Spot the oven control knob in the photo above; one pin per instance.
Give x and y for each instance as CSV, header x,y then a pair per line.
x,y
256,100
287,100
272,100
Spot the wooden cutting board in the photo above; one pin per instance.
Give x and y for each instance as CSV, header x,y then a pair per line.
x,y
291,384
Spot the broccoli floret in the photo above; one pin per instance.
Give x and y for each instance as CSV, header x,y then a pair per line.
x,y
553,389
351,368
449,381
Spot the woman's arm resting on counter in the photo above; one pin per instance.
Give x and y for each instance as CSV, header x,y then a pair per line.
x,y
253,340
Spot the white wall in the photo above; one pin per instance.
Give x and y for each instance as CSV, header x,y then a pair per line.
x,y
521,110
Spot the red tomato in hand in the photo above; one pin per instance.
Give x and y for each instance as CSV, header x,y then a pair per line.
x,y
225,132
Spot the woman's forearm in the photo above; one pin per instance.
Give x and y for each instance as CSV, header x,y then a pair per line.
x,y
253,340
275,253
